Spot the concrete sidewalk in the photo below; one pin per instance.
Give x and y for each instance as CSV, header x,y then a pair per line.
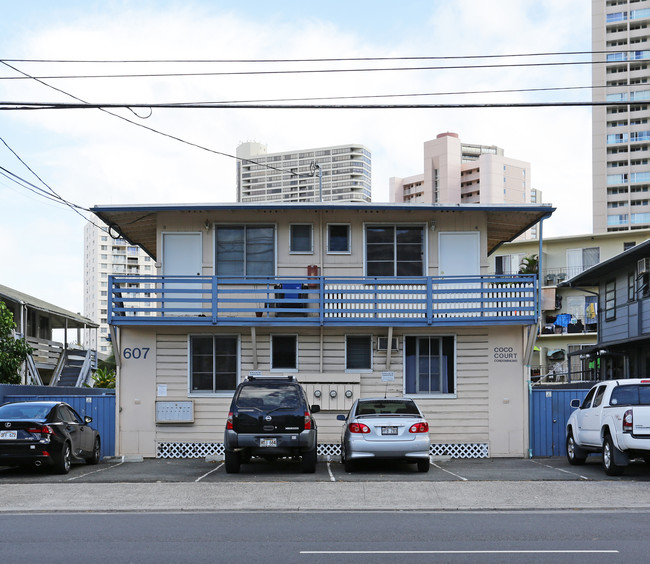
x,y
323,496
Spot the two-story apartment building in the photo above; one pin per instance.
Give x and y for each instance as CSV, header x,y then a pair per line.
x,y
568,315
623,286
354,300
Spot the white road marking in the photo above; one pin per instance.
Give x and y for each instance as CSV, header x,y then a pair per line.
x,y
95,471
329,469
448,472
561,470
459,552
208,473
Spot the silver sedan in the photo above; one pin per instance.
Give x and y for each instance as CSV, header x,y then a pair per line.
x,y
385,428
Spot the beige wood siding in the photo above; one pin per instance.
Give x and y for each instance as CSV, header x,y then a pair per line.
x,y
459,419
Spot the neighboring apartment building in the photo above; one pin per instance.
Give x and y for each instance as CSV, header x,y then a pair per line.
x,y
104,256
456,173
354,301
621,133
569,315
341,173
623,286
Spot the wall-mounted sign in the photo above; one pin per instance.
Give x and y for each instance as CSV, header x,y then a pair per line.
x,y
504,354
388,376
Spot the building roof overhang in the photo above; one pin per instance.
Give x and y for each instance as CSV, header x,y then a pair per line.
x,y
61,317
138,223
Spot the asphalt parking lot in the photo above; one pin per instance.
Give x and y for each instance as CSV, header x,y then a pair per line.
x,y
116,470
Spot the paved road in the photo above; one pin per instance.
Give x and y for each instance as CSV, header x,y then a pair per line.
x,y
197,485
328,537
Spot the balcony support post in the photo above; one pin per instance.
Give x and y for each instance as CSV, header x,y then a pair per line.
x,y
389,348
254,346
215,298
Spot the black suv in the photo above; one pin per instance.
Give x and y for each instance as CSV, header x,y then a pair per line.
x,y
270,418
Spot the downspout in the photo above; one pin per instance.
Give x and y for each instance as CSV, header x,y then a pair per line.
x,y
539,317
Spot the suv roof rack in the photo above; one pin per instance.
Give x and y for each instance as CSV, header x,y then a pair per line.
x,y
288,378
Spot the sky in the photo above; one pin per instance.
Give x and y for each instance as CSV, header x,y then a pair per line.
x,y
89,157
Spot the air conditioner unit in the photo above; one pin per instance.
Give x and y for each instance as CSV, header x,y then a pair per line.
x,y
643,266
382,344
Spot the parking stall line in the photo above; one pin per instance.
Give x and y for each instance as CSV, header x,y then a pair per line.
x,y
329,469
561,470
208,473
95,471
448,472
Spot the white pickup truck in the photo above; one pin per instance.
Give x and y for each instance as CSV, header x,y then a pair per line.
x,y
614,418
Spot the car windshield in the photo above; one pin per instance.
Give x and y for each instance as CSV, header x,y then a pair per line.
x,y
387,407
20,411
268,397
630,395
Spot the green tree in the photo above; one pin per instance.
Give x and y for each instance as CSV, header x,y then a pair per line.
x,y
13,352
529,265
104,378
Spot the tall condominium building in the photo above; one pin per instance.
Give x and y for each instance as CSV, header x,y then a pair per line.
x,y
621,132
456,173
339,173
104,256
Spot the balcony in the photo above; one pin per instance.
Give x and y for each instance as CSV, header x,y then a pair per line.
x,y
319,300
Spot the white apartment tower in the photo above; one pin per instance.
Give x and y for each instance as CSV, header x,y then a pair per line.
x,y
337,173
460,173
621,132
104,256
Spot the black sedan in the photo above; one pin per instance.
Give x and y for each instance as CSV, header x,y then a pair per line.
x,y
46,433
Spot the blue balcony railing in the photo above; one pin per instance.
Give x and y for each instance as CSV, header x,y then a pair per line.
x,y
323,300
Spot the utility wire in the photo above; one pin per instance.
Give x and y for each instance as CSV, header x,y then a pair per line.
x,y
7,106
299,71
316,60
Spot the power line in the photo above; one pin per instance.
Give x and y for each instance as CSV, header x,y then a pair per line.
x,y
316,60
8,106
153,130
299,71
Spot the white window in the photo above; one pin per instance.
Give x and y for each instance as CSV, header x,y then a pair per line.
x,y
245,250
429,368
284,352
214,361
358,352
338,238
301,238
394,250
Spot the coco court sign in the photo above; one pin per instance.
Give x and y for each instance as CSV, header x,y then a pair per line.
x,y
504,354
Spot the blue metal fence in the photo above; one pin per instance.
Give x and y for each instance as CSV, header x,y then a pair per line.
x,y
100,406
549,412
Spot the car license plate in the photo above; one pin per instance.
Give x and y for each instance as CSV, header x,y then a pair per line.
x,y
8,435
389,430
268,442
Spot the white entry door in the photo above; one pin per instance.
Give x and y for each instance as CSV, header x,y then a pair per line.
x,y
459,253
182,256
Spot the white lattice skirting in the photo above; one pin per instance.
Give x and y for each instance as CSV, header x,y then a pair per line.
x,y
201,450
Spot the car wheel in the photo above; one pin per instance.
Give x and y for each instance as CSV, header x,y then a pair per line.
x,y
233,462
571,452
348,464
423,465
308,462
64,460
95,456
610,467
